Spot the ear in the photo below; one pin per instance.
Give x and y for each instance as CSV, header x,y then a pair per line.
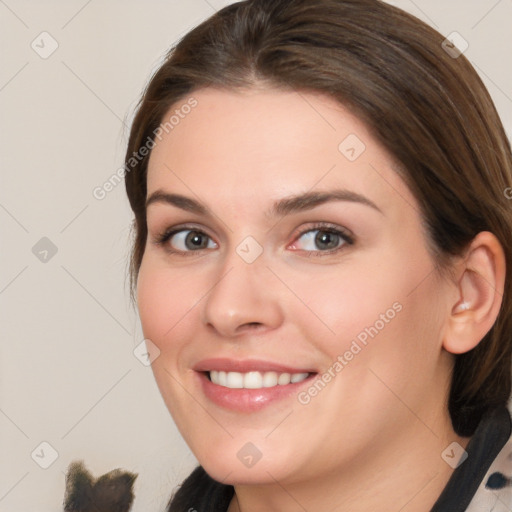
x,y
480,282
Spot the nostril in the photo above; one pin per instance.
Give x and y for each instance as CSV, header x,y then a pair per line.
x,y
250,327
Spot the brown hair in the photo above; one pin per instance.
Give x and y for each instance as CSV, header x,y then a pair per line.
x,y
429,109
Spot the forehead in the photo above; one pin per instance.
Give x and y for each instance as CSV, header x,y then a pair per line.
x,y
268,143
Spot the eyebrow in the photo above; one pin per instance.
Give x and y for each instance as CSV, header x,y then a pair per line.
x,y
284,206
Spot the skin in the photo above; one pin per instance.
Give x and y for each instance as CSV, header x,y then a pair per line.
x,y
381,423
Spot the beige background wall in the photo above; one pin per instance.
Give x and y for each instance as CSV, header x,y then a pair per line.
x,y
68,376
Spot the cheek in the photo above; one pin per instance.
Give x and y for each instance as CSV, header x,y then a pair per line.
x,y
154,300
166,300
167,303
388,297
343,301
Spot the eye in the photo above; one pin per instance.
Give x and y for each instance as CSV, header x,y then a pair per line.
x,y
185,240
322,239
318,239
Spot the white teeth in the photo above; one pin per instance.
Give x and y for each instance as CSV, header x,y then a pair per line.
x,y
297,377
255,380
234,380
269,379
284,378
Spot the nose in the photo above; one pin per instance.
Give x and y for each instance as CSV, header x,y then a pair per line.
x,y
244,298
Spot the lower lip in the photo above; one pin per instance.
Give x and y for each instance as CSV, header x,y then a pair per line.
x,y
248,400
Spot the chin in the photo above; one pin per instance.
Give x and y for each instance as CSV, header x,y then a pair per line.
x,y
241,463
235,474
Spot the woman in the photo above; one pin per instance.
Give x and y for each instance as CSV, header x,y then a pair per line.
x,y
322,238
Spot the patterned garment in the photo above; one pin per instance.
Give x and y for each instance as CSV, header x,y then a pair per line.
x,y
495,491
483,482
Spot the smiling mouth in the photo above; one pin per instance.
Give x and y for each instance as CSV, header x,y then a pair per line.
x,y
254,379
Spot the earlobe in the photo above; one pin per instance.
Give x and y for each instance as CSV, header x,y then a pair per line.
x,y
480,294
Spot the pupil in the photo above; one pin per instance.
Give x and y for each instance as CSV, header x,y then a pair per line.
x,y
326,240
195,240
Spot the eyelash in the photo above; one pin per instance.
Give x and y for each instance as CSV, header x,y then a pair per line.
x,y
347,238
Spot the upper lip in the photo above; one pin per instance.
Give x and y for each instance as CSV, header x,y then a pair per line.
x,y
247,365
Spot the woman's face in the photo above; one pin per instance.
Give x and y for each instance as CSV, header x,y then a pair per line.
x,y
285,251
